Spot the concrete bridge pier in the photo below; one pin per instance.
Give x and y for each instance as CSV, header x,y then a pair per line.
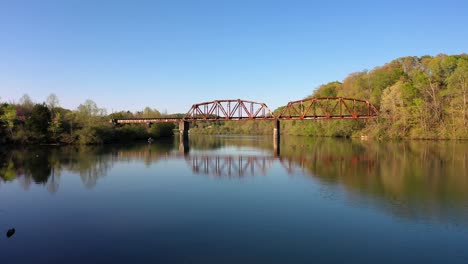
x,y
183,137
184,128
276,137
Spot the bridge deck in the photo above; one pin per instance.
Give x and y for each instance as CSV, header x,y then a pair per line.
x,y
176,120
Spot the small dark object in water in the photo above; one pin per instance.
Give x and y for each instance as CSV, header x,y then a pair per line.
x,y
10,232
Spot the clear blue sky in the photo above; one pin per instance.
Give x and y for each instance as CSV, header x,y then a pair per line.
x,y
126,55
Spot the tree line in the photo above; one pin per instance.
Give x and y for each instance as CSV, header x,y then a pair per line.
x,y
418,97
27,122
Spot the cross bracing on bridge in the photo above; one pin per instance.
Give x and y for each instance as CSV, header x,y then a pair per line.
x,y
306,109
328,108
229,110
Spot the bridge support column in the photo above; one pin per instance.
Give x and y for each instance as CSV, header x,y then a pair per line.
x,y
184,128
276,137
183,137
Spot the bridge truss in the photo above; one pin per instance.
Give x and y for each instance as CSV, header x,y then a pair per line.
x,y
306,109
328,108
229,110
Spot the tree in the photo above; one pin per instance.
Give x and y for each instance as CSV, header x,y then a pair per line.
x,y
327,90
161,130
52,102
8,117
55,125
88,111
38,122
393,111
458,91
148,113
26,102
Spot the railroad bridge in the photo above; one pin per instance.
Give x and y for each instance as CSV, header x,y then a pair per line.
x,y
321,108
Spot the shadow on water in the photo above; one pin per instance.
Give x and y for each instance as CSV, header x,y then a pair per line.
x,y
416,179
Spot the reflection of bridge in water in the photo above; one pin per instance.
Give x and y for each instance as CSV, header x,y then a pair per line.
x,y
232,166
228,166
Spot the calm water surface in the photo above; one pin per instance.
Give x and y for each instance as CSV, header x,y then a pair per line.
x,y
236,200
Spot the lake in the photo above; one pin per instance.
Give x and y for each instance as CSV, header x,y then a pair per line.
x,y
235,199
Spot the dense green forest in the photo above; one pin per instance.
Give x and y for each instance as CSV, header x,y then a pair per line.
x,y
27,122
418,97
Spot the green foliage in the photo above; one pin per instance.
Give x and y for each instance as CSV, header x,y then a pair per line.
x,y
88,135
131,132
422,97
233,127
328,90
55,126
161,130
87,125
121,115
38,122
8,117
148,113
89,113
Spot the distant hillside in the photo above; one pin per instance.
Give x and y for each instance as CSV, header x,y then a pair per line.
x,y
418,97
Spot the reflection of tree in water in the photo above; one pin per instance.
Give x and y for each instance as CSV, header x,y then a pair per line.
x,y
149,153
27,165
37,165
90,162
411,179
417,179
44,165
7,170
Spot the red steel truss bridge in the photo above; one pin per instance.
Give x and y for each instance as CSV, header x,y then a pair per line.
x,y
306,109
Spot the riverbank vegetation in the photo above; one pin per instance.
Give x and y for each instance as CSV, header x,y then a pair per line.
x,y
27,122
418,97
